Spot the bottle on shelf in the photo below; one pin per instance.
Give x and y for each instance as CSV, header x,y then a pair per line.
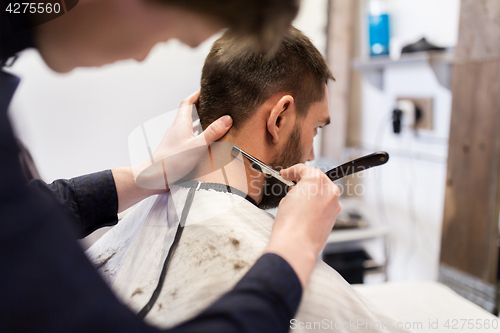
x,y
379,29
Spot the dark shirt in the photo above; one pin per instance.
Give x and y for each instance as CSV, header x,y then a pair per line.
x,y
91,199
48,285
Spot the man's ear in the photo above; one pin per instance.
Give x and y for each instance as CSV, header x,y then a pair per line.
x,y
282,116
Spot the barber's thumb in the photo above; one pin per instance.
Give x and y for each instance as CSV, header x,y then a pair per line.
x,y
218,128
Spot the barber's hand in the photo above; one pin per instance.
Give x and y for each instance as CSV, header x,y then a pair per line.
x,y
180,150
180,136
177,154
305,218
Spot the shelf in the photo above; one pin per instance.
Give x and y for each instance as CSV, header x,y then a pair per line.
x,y
440,62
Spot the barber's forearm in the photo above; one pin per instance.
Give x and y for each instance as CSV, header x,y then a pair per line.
x,y
305,219
128,192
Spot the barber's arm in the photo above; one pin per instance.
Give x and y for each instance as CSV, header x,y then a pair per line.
x,y
305,218
91,199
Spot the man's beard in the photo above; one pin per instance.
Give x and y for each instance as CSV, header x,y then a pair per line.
x,y
275,190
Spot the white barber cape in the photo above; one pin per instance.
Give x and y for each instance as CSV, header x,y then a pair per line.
x,y
223,237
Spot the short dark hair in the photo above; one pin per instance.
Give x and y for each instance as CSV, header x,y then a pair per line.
x,y
236,83
263,21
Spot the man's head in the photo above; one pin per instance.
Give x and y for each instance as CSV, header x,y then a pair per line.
x,y
98,32
277,102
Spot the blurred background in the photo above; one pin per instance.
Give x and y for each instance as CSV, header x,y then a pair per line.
x,y
383,99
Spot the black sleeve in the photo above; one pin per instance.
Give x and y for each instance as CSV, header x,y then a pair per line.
x,y
91,199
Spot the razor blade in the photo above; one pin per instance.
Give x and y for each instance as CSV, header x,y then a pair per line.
x,y
260,166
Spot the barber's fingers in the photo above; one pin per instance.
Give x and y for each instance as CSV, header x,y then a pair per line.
x,y
191,99
299,171
215,130
292,173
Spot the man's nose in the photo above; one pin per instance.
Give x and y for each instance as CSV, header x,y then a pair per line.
x,y
311,155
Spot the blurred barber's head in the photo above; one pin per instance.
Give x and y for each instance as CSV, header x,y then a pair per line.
x,y
99,32
277,101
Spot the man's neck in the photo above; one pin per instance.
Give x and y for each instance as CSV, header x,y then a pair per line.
x,y
235,173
